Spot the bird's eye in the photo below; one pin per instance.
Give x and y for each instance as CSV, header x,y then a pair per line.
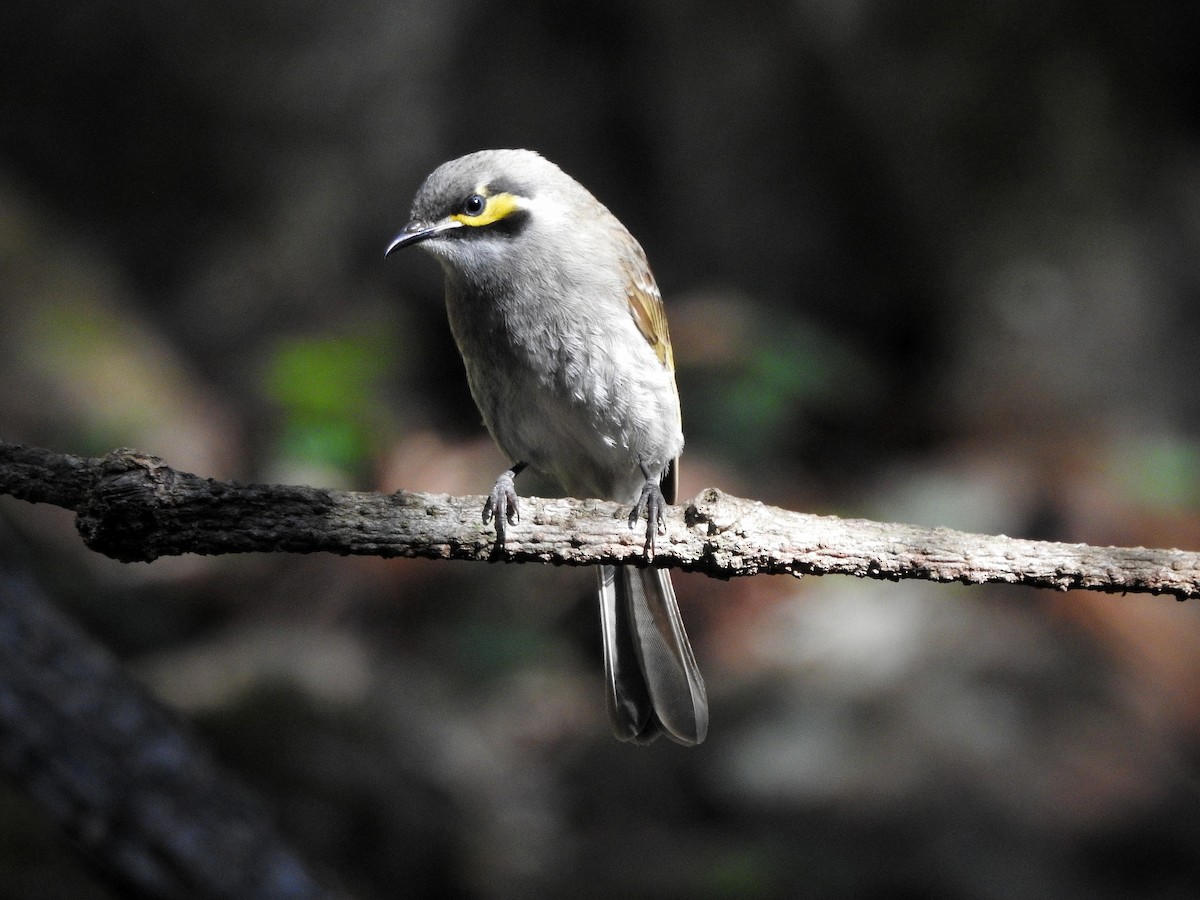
x,y
474,205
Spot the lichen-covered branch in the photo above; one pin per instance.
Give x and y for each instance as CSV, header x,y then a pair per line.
x,y
134,507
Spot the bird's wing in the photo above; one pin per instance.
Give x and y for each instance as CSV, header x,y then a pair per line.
x,y
646,305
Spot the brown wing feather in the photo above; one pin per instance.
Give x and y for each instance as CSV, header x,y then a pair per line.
x,y
646,305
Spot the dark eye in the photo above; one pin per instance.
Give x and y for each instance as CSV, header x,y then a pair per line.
x,y
474,205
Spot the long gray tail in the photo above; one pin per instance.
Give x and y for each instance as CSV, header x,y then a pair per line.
x,y
654,686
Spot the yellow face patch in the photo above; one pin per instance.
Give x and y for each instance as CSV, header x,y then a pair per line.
x,y
492,208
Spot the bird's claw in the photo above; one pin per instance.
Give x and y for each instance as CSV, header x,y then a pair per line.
x,y
654,504
502,505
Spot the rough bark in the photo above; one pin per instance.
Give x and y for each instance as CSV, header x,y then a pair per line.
x,y
134,507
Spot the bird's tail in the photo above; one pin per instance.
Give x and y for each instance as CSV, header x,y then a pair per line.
x,y
654,686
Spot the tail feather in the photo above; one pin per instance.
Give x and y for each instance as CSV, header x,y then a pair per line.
x,y
629,707
653,684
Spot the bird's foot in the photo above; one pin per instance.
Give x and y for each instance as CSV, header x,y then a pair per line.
x,y
654,504
502,505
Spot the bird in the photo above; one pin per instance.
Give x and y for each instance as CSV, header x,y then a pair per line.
x,y
564,339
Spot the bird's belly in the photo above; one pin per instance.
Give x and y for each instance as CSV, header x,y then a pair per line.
x,y
592,434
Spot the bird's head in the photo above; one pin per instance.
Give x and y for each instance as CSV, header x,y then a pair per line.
x,y
493,206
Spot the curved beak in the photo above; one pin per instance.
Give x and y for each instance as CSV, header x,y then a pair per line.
x,y
415,232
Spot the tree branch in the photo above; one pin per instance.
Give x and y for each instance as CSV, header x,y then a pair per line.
x,y
121,775
134,507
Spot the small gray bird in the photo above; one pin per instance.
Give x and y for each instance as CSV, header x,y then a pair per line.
x,y
563,334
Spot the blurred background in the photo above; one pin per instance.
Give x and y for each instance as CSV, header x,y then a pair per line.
x,y
935,263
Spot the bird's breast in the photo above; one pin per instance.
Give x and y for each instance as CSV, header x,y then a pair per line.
x,y
567,387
